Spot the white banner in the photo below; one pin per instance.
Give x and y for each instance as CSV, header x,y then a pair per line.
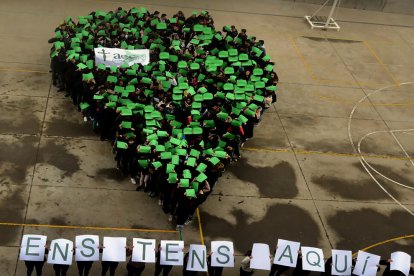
x,y
117,57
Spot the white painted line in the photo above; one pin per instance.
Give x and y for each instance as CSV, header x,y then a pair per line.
x,y
361,160
402,148
370,166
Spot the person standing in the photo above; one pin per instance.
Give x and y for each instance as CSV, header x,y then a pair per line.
x,y
134,268
111,266
165,269
245,269
84,267
213,270
60,269
36,265
185,271
32,265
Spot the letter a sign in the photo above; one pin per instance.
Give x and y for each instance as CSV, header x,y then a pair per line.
x,y
286,253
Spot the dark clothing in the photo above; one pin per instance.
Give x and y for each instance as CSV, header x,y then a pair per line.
x,y
135,268
32,265
277,270
60,270
245,273
213,271
388,272
84,268
185,271
298,271
36,265
116,104
111,266
165,269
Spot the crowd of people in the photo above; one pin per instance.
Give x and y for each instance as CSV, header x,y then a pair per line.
x,y
133,268
177,122
277,270
137,268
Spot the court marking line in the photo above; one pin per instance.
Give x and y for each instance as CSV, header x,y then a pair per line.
x,y
252,13
200,228
354,83
371,167
87,227
302,58
401,146
383,65
24,71
360,158
346,102
384,242
326,153
321,80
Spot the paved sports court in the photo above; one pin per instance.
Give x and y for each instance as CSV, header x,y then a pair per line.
x,y
344,98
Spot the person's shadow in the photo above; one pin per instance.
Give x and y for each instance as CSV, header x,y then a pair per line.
x,y
284,221
278,181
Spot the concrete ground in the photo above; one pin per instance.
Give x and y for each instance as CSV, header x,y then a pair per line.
x,y
299,178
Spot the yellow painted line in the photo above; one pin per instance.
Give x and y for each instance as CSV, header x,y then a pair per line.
x,y
327,153
353,82
302,58
384,66
346,102
267,149
395,104
385,242
24,70
316,78
335,81
200,228
132,3
351,154
87,227
312,74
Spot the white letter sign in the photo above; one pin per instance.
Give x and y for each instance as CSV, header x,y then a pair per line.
x,y
114,249
312,259
197,258
222,254
61,252
401,261
172,253
143,251
286,253
33,248
87,248
260,256
366,264
341,262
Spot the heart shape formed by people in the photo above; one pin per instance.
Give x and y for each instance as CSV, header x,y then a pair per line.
x,y
177,121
